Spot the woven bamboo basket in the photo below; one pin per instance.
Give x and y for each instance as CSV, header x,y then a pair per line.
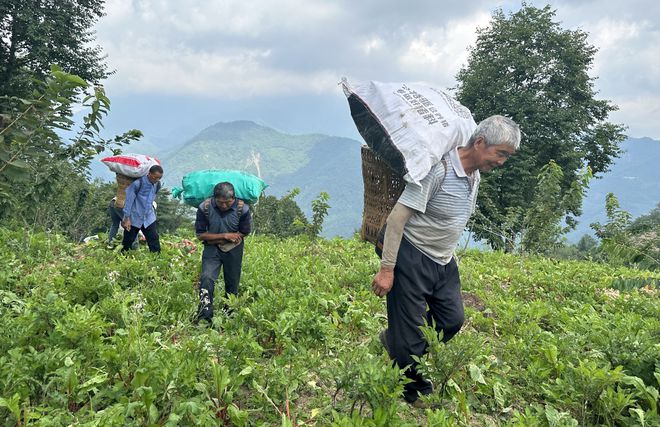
x,y
123,182
382,188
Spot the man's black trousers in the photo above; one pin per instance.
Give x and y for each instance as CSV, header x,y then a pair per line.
x,y
212,260
420,282
150,233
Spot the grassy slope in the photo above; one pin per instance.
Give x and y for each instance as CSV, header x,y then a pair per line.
x,y
91,336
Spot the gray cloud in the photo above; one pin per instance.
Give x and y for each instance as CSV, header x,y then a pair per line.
x,y
237,49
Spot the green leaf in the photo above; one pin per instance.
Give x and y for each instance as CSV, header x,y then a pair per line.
x,y
75,79
476,374
12,404
640,415
499,393
246,371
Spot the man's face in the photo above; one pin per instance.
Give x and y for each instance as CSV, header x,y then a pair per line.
x,y
154,177
492,156
224,204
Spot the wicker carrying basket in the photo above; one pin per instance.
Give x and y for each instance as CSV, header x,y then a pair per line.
x,y
382,188
123,182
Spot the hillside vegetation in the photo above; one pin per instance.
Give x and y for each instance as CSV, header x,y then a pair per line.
x,y
92,337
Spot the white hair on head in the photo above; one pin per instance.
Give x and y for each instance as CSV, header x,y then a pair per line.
x,y
497,130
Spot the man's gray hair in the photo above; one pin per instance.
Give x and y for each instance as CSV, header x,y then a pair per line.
x,y
497,130
223,191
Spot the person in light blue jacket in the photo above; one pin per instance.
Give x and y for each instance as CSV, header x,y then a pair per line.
x,y
139,212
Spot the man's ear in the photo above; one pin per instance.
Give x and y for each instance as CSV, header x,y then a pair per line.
x,y
480,143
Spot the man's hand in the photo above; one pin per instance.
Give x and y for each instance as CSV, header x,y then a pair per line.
x,y
383,281
233,237
126,223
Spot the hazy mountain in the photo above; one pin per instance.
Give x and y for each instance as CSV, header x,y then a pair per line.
x,y
634,179
312,162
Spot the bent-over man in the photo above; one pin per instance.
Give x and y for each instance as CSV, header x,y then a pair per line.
x,y
418,267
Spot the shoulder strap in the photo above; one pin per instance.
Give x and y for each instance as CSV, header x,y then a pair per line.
x,y
444,163
239,209
205,208
139,187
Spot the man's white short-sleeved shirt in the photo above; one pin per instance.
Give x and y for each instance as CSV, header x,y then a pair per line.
x,y
443,204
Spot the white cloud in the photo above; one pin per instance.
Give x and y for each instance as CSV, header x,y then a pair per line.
x,y
640,113
373,44
222,17
438,53
181,70
627,64
607,33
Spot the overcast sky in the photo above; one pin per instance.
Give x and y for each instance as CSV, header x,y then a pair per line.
x,y
186,64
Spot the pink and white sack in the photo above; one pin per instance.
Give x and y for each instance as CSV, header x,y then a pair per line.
x,y
131,165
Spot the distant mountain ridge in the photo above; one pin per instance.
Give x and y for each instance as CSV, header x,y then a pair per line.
x,y
634,178
311,162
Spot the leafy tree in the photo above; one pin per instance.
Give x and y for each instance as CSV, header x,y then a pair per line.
x,y
172,214
644,235
586,244
74,207
37,33
624,242
280,217
527,67
284,218
542,228
647,223
320,207
38,167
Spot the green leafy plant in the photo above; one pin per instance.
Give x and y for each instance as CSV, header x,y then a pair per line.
x,y
618,244
280,217
444,360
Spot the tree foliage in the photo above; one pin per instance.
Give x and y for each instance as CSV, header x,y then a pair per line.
x,y
38,166
37,33
542,221
626,242
320,208
280,217
525,66
172,213
649,223
284,218
74,207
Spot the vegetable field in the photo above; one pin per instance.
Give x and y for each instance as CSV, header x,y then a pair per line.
x,y
89,336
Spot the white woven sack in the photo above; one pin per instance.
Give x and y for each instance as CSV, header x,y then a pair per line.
x,y
422,122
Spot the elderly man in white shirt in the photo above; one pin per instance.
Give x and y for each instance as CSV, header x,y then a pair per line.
x,y
417,267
